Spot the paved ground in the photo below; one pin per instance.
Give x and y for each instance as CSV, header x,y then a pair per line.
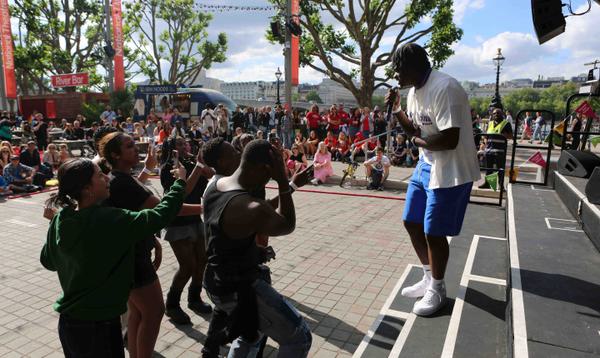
x,y
337,268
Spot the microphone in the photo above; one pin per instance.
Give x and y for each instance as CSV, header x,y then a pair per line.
x,y
391,101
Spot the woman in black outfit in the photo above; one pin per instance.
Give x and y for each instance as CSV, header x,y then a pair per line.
x,y
145,305
186,233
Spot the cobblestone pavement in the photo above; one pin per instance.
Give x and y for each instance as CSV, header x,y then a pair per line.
x,y
337,269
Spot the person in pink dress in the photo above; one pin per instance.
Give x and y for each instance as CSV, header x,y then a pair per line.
x,y
323,168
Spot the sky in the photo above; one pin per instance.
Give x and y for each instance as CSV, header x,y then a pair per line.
x,y
487,25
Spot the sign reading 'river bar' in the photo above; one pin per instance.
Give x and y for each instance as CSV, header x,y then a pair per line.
x,y
71,80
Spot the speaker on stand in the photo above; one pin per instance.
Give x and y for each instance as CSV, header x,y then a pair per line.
x,y
548,19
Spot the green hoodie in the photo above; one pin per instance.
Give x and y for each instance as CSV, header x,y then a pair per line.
x,y
92,251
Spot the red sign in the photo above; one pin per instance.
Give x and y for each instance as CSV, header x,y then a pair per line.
x,y
118,45
295,44
8,61
71,80
586,110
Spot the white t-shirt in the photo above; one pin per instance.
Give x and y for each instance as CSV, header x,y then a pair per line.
x,y
440,104
379,164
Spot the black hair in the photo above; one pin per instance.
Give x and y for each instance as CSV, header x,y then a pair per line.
x,y
72,177
211,151
100,133
256,152
166,150
411,56
111,143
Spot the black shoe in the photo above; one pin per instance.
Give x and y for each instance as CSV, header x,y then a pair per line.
x,y
200,307
177,315
485,185
380,188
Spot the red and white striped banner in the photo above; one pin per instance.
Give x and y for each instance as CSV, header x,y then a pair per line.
x,y
118,45
8,61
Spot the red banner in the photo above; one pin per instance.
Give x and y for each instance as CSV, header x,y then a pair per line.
x,y
585,109
118,45
8,61
538,159
70,80
295,44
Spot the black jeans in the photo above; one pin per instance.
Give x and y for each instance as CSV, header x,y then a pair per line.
x,y
90,338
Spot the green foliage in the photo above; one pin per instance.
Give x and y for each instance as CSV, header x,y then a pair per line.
x,y
313,96
56,37
184,43
553,99
122,100
92,111
324,45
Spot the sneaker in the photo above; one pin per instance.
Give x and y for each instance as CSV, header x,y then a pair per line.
x,y
380,188
177,315
315,181
416,290
432,302
200,307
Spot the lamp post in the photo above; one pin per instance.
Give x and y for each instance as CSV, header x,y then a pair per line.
x,y
278,75
498,61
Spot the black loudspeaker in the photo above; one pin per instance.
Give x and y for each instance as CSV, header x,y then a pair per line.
x,y
576,163
592,189
548,19
276,29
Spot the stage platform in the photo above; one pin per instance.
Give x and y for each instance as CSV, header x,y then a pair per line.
x,y
522,281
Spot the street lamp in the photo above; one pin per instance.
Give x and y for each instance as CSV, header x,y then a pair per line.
x,y
278,75
498,61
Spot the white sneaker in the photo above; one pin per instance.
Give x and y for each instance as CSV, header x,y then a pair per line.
x,y
416,290
432,302
315,181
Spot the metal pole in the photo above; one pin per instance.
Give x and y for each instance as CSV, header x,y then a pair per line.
x,y
108,39
498,82
288,57
3,99
278,98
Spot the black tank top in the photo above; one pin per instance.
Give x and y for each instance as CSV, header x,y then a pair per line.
x,y
231,262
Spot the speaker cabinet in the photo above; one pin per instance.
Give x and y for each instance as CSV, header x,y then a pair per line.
x,y
548,19
576,163
592,188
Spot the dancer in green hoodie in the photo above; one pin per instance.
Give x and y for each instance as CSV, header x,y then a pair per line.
x,y
91,248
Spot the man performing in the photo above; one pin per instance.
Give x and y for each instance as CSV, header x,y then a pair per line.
x,y
437,120
233,218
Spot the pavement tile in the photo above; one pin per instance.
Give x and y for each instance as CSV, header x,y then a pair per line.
x,y
337,272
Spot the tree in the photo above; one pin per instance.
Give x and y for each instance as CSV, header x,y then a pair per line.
x,y
184,43
358,44
56,37
313,96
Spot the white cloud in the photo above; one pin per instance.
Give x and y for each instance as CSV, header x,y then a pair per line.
x,y
462,6
562,56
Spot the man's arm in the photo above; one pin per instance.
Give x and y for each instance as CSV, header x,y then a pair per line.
x,y
445,140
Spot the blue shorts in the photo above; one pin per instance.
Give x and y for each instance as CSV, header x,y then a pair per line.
x,y
440,211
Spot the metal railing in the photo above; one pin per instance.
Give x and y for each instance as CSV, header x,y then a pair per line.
x,y
588,126
516,145
500,159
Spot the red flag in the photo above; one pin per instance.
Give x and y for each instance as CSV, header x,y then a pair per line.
x,y
586,110
295,44
537,159
8,61
118,45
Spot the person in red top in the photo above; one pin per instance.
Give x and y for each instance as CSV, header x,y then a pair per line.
x,y
365,148
331,143
343,147
354,126
365,126
313,118
333,121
